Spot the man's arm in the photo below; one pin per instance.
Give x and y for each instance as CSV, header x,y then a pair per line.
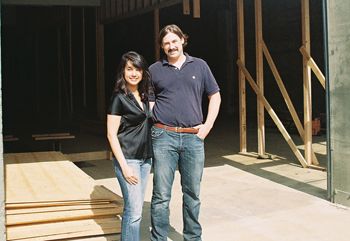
x,y
213,111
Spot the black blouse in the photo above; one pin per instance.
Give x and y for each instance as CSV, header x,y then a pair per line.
x,y
134,132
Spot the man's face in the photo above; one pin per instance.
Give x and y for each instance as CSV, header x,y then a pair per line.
x,y
172,46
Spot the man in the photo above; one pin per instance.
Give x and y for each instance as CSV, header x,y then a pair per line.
x,y
179,82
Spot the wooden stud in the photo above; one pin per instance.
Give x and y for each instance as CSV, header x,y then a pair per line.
x,y
272,114
286,97
100,83
241,77
314,67
156,34
186,7
260,77
196,8
305,11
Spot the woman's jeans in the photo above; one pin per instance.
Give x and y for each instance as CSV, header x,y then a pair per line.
x,y
133,196
186,151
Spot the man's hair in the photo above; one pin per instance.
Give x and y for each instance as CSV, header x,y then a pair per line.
x,y
172,28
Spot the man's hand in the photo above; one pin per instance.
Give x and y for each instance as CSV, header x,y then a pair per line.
x,y
203,130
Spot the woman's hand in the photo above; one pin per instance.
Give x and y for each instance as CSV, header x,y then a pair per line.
x,y
129,176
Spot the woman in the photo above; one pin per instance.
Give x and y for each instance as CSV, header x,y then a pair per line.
x,y
128,131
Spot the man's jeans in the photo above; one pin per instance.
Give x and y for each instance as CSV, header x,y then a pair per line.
x,y
133,196
187,152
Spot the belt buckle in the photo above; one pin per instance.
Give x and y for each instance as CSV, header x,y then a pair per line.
x,y
178,129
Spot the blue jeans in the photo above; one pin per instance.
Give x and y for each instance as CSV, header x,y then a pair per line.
x,y
133,196
186,151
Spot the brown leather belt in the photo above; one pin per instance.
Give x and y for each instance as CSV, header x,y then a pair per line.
x,y
177,129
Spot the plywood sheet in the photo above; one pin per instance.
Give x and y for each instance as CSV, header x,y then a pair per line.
x,y
48,176
62,230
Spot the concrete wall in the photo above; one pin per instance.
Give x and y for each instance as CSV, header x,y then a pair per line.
x,y
339,99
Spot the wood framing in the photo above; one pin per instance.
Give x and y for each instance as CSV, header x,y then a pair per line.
x,y
196,8
260,77
309,160
307,80
100,83
186,8
241,79
156,34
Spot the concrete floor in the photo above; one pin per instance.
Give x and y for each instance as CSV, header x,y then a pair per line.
x,y
245,198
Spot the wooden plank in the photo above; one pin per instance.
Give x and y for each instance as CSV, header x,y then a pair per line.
x,y
86,3
77,206
61,216
286,97
156,34
305,15
69,229
105,237
51,134
186,8
88,156
48,138
314,67
260,77
196,8
241,78
8,138
30,178
29,205
273,115
100,81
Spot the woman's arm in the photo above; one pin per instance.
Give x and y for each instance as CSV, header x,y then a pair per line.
x,y
113,123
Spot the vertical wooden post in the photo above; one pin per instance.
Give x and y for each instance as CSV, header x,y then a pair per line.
x,y
100,83
156,34
260,77
70,64
83,44
305,11
196,8
241,78
186,7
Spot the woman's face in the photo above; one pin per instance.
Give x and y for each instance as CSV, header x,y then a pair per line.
x,y
132,75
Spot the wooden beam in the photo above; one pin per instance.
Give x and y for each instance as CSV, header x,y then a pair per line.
x,y
186,8
156,34
241,78
314,67
260,76
53,2
196,8
286,97
100,78
305,12
273,115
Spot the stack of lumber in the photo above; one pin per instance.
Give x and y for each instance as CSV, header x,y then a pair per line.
x,y
49,198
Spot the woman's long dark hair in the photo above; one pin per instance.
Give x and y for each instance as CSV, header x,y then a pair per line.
x,y
138,62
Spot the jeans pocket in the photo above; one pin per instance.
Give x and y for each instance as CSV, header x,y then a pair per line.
x,y
202,140
156,132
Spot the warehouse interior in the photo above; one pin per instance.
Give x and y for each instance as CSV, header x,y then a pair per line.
x,y
58,61
55,81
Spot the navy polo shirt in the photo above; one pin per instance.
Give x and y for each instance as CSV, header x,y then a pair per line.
x,y
178,92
